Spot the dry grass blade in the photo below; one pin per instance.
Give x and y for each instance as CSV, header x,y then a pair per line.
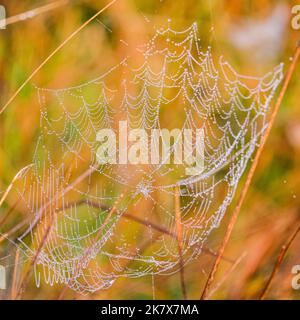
x,y
60,195
250,175
82,260
278,263
25,278
228,273
16,177
107,219
14,229
70,37
15,276
6,216
179,240
34,12
147,224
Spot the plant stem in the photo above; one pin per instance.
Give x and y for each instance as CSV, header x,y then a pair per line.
x,y
70,37
278,263
250,175
179,241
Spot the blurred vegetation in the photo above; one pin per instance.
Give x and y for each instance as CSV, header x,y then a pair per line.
x,y
272,208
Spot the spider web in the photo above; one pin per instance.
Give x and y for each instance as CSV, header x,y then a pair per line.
x,y
92,224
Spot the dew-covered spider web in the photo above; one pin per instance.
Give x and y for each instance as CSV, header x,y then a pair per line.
x,y
93,223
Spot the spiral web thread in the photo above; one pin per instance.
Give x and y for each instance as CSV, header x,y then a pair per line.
x,y
110,221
